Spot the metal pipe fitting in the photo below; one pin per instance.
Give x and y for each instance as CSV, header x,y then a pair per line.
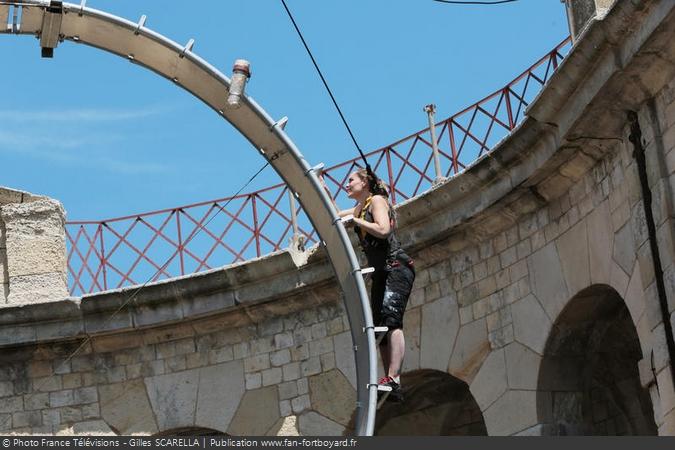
x,y
241,72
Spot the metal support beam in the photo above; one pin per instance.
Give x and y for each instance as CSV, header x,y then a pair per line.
x,y
180,65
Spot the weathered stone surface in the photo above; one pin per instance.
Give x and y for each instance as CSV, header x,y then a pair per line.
x,y
344,356
600,240
573,250
173,397
38,288
258,412
547,281
490,381
624,249
471,348
314,424
220,390
440,324
89,428
34,255
531,325
635,298
522,367
286,426
412,332
512,413
332,396
125,406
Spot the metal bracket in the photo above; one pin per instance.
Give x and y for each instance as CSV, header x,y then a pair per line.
x,y
318,168
140,24
51,28
281,123
187,48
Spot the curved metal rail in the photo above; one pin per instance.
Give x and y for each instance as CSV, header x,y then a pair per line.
x,y
54,22
111,253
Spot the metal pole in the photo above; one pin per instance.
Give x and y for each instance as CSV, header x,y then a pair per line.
x,y
297,243
431,110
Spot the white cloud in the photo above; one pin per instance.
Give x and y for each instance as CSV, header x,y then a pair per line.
x,y
73,151
80,115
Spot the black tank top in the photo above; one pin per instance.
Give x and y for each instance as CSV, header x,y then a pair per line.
x,y
380,252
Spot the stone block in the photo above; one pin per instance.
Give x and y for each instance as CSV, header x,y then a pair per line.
x,y
126,408
283,340
221,388
312,366
301,403
624,249
332,396
288,390
257,363
280,358
271,376
173,397
440,323
253,380
618,279
512,413
37,288
490,381
320,346
572,248
634,297
600,242
11,404
303,386
471,348
480,308
465,315
27,419
285,408
501,336
522,367
314,424
300,352
327,361
258,411
413,339
344,356
263,345
291,371
548,284
531,325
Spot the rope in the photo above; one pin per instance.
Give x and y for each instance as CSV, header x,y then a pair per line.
x,y
330,93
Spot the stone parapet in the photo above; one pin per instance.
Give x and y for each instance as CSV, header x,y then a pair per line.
x,y
32,248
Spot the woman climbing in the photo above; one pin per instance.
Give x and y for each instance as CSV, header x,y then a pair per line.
x,y
374,222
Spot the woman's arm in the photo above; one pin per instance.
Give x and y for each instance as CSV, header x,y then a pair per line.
x,y
381,226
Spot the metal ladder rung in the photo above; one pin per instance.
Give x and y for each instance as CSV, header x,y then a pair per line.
x,y
380,333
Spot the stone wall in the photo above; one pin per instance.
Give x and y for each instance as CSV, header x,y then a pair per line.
x,y
32,248
535,309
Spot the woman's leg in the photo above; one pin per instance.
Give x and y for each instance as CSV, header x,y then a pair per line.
x,y
395,353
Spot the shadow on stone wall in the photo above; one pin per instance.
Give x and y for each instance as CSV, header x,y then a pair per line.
x,y
589,382
435,404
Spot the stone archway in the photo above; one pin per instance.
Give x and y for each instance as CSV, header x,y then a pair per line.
x,y
588,381
435,404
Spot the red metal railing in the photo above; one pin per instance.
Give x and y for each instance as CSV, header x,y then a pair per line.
x,y
151,246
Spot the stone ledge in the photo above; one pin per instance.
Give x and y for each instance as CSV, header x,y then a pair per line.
x,y
488,197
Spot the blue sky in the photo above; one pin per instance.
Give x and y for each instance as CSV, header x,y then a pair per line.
x,y
108,138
